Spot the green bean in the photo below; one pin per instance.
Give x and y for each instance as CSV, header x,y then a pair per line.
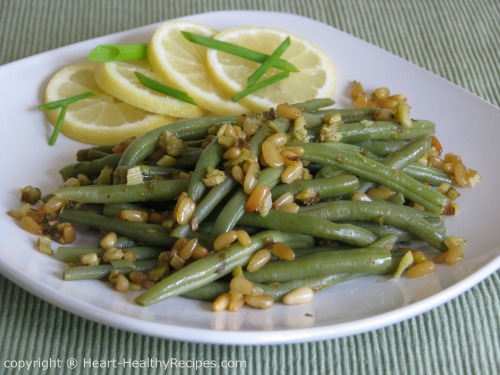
x,y
148,172
314,105
381,130
155,190
235,207
367,260
71,254
427,173
206,206
83,154
210,157
103,270
144,233
212,290
313,226
186,129
189,158
350,115
381,148
385,213
375,171
327,187
401,158
213,267
89,168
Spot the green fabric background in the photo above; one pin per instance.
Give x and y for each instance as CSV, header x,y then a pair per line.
x,y
456,39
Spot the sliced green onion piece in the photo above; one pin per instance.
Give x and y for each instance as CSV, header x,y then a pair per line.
x,y
58,125
236,50
268,62
164,89
62,102
119,52
260,85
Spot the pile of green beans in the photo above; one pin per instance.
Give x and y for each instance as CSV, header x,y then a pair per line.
x,y
334,237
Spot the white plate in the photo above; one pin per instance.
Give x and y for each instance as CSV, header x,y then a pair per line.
x,y
466,125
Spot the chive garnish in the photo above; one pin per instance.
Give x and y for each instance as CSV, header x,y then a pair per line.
x,y
164,89
268,62
58,125
62,102
119,52
260,85
236,50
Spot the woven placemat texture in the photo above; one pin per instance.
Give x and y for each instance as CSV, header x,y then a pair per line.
x,y
456,39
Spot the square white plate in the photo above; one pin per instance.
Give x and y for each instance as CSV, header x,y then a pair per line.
x,y
466,125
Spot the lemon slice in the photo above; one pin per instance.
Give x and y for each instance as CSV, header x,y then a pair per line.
x,y
100,119
182,64
316,77
119,79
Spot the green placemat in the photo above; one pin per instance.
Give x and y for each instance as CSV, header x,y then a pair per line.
x,y
458,40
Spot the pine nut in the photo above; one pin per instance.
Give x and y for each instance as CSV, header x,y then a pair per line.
x,y
179,244
158,273
30,225
283,199
68,233
258,260
290,207
250,181
260,301
109,240
221,303
297,150
184,209
236,301
241,285
356,90
454,255
238,174
55,204
232,153
257,198
199,252
243,238
135,216
111,254
287,111
121,283
225,239
460,173
289,157
299,296
359,196
90,259
292,172
383,193
271,155
381,93
187,250
282,250
421,269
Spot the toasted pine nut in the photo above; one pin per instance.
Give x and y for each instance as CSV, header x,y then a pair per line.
x,y
380,193
271,155
260,301
90,259
460,173
290,207
283,199
289,157
121,283
236,301
356,90
258,260
221,303
135,216
179,244
282,250
109,240
199,252
299,296
225,239
358,196
30,225
454,255
184,209
288,111
250,181
232,153
187,250
241,285
111,254
243,238
238,174
158,273
55,204
292,172
129,255
257,198
297,150
421,269
68,233
381,93
387,103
